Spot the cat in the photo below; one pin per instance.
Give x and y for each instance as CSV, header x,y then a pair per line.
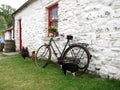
x,y
71,67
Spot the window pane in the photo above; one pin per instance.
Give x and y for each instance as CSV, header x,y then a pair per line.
x,y
54,14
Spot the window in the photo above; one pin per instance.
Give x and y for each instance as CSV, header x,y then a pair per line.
x,y
53,16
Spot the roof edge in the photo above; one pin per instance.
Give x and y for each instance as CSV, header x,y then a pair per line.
x,y
23,6
9,29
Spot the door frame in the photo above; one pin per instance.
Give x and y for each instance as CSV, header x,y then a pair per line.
x,y
20,34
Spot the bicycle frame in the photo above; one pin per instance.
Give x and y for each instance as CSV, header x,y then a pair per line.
x,y
61,53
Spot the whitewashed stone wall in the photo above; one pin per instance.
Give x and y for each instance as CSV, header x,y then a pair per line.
x,y
34,24
7,35
96,22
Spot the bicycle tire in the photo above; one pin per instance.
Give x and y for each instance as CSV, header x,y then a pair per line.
x,y
43,56
79,55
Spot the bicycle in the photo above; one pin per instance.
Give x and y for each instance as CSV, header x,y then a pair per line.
x,y
72,53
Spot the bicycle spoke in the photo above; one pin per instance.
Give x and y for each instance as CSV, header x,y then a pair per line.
x,y
75,54
43,56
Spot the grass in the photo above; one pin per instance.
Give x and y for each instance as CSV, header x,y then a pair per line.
x,y
19,74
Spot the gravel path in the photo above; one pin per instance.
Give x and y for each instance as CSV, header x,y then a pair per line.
x,y
2,56
5,55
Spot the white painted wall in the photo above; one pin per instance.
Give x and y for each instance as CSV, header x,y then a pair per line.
x,y
96,22
8,35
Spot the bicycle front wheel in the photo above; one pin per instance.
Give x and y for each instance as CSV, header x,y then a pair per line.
x,y
43,56
79,55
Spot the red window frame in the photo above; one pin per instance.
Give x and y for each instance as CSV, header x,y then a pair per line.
x,y
49,19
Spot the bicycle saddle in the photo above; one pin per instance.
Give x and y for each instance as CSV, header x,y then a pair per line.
x,y
69,37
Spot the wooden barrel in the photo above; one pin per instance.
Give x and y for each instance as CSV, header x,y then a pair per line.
x,y
1,46
9,46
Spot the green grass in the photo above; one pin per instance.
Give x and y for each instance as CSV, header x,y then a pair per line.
x,y
17,74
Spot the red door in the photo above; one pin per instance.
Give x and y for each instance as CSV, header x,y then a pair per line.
x,y
20,35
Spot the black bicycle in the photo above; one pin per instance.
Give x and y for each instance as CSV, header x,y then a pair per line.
x,y
72,53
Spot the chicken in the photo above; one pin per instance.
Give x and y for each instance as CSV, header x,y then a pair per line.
x,y
25,52
33,55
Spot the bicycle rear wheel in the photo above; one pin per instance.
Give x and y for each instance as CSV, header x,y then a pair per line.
x,y
79,55
43,56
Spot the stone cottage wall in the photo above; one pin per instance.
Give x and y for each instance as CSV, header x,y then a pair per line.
x,y
96,22
34,24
